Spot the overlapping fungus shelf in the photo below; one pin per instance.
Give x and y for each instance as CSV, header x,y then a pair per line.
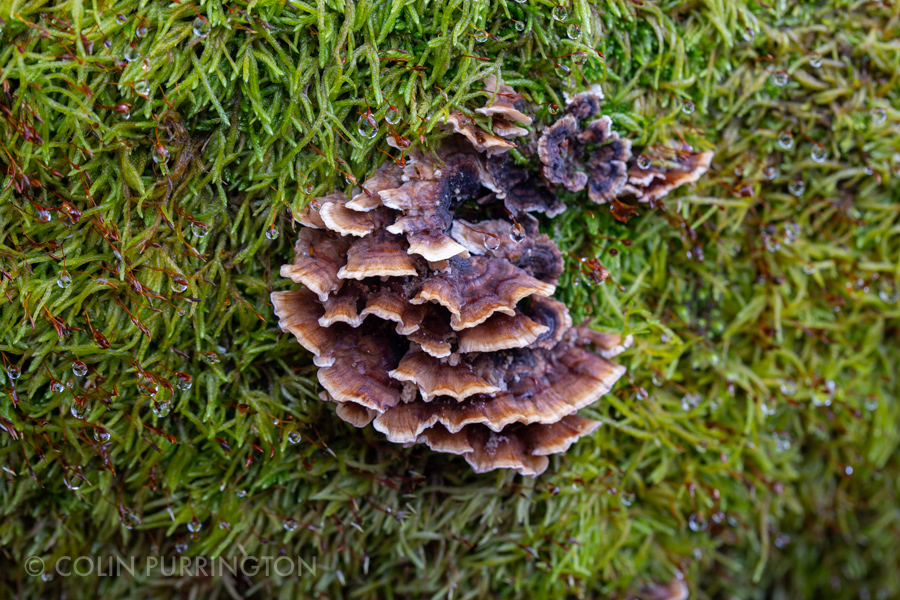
x,y
427,294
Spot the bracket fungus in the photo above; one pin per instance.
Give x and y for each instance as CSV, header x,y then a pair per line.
x,y
432,319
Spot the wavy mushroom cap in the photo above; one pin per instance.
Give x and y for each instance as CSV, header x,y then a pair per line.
x,y
505,102
556,149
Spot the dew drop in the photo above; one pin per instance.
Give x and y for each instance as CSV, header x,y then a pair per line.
x,y
562,70
887,291
194,525
160,154
560,13
770,172
13,372
162,409
573,31
797,187
788,387
688,108
690,401
64,281
178,284
521,1
517,233
120,19
780,78
748,34
657,379
697,523
141,31
481,37
366,126
44,215
818,153
241,494
149,388
57,387
767,409
101,435
272,233
290,524
72,478
871,404
183,381
491,242
643,162
212,358
519,25
201,230
224,525
815,60
79,368
130,54
627,498
80,410
786,140
392,115
579,58
848,470
294,437
553,108
145,65
879,115
142,87
181,547
200,27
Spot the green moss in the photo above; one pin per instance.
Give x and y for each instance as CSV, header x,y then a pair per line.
x,y
792,494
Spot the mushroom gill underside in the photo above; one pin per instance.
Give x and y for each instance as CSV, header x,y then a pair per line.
x,y
433,320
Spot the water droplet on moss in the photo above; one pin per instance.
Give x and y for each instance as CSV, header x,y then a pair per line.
x,y
797,187
519,25
293,437
481,37
815,60
130,54
491,242
780,78
559,13
64,281
788,387
573,31
818,153
562,70
879,115
200,27
627,498
79,368
101,435
690,401
553,108
696,522
366,126
120,19
748,34
13,372
392,115
212,358
290,524
201,230
785,140
142,87
688,108
80,410
194,525
272,233
162,409
178,284
643,162
183,381
57,387
579,58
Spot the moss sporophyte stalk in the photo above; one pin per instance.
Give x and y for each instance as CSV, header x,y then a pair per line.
x,y
647,249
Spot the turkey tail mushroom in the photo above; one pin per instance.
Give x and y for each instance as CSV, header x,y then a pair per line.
x,y
440,329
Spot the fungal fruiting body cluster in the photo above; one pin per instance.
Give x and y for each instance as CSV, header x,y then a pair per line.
x,y
427,300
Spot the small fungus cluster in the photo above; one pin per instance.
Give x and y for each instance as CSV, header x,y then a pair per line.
x,y
426,297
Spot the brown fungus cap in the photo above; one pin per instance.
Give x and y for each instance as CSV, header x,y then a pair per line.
x,y
476,288
436,378
318,257
440,330
481,140
660,178
557,149
504,102
378,255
